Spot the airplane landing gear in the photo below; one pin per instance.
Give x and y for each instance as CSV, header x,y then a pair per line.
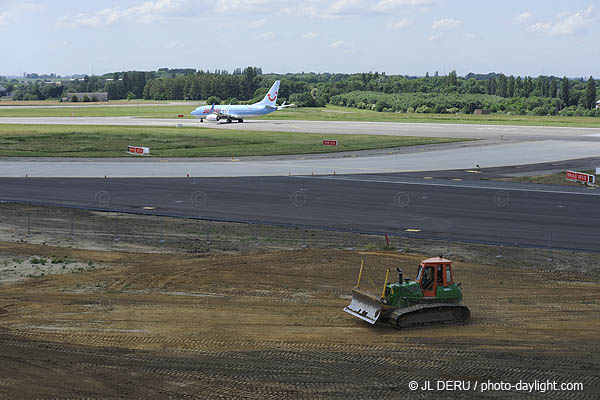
x,y
240,120
228,120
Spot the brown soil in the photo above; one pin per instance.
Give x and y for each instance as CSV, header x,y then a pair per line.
x,y
271,325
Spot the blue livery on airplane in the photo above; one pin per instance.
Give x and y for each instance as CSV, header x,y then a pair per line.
x,y
230,112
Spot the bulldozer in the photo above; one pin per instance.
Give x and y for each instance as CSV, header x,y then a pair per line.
x,y
432,298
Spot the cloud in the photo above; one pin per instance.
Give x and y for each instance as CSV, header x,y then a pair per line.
x,y
568,24
103,17
301,10
174,44
403,23
323,10
310,35
523,17
346,4
391,4
257,24
267,36
4,17
445,24
158,6
540,27
247,6
146,13
434,37
343,8
340,44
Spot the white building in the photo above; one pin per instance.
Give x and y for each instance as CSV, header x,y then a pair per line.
x,y
598,104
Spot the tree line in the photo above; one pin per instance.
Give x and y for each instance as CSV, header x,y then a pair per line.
x,y
542,95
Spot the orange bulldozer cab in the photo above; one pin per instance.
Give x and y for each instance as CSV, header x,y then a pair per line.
x,y
433,273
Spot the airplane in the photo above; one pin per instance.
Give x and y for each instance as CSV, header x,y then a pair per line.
x,y
229,112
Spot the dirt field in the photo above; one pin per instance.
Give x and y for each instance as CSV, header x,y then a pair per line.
x,y
271,325
174,308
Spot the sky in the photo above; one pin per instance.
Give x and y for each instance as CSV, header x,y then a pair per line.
x,y
409,37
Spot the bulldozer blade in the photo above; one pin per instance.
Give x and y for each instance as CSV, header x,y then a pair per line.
x,y
364,306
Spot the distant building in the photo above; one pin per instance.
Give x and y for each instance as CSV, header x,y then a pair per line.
x,y
598,104
92,96
480,111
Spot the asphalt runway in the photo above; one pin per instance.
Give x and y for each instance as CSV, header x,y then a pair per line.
x,y
495,132
473,211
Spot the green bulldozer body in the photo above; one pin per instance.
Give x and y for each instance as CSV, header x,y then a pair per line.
x,y
432,298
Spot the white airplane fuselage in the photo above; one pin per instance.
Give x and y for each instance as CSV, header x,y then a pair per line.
x,y
238,112
235,111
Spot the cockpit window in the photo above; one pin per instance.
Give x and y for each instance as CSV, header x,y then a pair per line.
x,y
419,273
427,283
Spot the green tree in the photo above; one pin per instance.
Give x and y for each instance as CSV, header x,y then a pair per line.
x,y
502,89
511,86
527,86
491,86
381,105
213,100
249,82
304,99
518,87
564,91
553,88
451,80
590,93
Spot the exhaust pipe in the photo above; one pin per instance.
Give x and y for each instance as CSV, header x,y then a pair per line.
x,y
400,280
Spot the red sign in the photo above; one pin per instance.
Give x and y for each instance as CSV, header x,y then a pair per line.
x,y
180,116
137,150
580,177
329,142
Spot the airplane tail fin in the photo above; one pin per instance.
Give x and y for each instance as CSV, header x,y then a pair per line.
x,y
271,97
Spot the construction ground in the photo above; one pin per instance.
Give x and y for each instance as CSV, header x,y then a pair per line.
x,y
196,309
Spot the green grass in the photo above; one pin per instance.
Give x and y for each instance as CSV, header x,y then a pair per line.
x,y
550,179
112,141
337,113
110,111
329,113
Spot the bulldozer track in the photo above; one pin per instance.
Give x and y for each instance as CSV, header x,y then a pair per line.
x,y
338,351
236,375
